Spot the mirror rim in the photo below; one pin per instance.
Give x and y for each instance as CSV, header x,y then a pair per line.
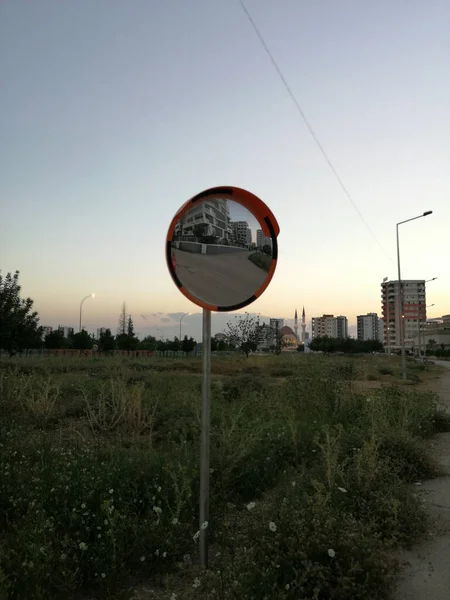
x,y
258,209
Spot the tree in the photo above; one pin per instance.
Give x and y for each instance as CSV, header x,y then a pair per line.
x,y
188,344
130,327
55,340
106,342
201,233
346,345
19,324
245,334
126,339
431,345
148,343
82,340
122,327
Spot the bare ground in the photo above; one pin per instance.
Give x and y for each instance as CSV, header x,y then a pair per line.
x,y
426,572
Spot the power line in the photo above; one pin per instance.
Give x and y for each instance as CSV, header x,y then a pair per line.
x,y
308,125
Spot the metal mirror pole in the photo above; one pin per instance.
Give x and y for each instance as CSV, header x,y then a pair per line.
x,y
204,447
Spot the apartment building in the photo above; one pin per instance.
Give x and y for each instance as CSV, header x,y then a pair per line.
x,y
368,327
241,233
213,213
262,240
276,324
329,325
324,325
341,327
402,306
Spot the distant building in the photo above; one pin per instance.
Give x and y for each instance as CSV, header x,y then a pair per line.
x,y
409,300
213,214
324,325
276,323
434,333
66,331
342,327
262,240
241,233
46,330
368,327
288,337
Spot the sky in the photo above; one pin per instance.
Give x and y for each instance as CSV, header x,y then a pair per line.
x,y
114,113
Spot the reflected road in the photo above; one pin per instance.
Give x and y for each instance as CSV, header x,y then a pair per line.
x,y
220,279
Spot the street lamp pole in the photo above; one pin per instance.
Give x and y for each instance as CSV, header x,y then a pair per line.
x,y
401,319
81,306
180,323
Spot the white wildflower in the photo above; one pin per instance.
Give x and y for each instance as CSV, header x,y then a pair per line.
x,y
331,553
103,575
174,521
164,554
157,509
272,526
251,505
204,525
142,558
196,583
82,546
111,491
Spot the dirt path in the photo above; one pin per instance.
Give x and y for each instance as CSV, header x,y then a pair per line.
x,y
426,574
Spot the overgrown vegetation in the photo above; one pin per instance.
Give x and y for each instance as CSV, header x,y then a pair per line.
x,y
261,260
310,477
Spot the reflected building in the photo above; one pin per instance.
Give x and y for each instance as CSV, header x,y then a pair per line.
x,y
262,240
241,233
208,218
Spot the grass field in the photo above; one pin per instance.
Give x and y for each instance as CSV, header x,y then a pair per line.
x,y
312,461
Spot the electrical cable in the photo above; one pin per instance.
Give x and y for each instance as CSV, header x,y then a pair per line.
x,y
309,127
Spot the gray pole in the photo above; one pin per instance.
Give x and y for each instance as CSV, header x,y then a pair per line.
x,y
81,308
400,309
204,447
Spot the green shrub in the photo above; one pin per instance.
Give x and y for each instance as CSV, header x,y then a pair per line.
x,y
385,371
261,260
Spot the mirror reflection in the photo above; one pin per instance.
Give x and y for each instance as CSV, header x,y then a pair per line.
x,y
220,253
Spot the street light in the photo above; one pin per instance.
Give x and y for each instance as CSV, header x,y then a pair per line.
x,y
401,319
81,305
185,314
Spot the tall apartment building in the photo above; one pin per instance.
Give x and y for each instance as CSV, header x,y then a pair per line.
x,y
368,327
329,325
241,233
324,325
214,213
341,327
413,303
262,240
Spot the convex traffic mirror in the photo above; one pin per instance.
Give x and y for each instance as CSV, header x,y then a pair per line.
x,y
221,248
